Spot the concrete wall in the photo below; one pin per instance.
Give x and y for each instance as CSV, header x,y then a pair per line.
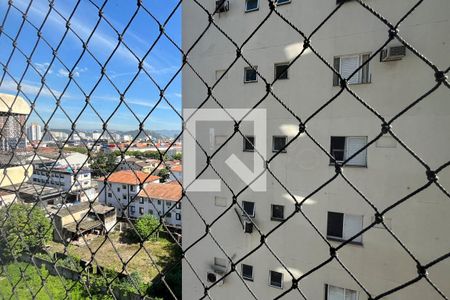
x,y
391,173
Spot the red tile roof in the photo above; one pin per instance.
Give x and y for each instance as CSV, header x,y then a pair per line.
x,y
176,168
168,192
130,177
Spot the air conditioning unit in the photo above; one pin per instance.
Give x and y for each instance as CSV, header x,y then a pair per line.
x,y
248,226
222,6
213,277
393,53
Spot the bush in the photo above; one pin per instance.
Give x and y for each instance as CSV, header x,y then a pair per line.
x,y
25,228
147,227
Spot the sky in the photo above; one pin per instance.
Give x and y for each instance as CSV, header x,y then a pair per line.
x,y
161,63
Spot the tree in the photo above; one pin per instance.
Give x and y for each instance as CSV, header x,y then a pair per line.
x,y
103,164
148,227
164,175
178,156
26,229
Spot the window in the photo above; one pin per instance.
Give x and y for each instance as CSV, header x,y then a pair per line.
x,y
277,212
109,195
281,71
247,272
118,189
178,206
159,202
124,197
150,211
251,5
344,226
249,143
141,200
132,209
249,208
346,65
169,215
341,1
280,2
132,188
337,293
278,142
250,74
276,279
343,147
141,210
124,186
178,216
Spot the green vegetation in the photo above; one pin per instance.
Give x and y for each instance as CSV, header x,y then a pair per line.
x,y
26,229
31,283
82,150
103,164
164,175
178,156
147,228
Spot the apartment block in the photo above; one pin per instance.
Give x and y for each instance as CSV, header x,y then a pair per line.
x,y
307,209
161,200
120,188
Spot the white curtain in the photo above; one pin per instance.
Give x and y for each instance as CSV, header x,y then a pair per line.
x,y
348,65
353,145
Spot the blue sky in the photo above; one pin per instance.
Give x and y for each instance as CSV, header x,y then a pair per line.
x,y
162,62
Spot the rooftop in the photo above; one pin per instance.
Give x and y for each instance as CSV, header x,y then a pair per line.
x,y
129,177
94,207
16,103
170,192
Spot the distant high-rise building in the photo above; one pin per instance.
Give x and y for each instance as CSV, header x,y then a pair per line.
x,y
13,114
34,132
96,135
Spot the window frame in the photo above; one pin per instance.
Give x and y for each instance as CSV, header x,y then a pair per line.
x,y
271,213
361,61
178,216
345,156
284,2
279,65
285,143
245,138
270,280
141,211
244,276
358,240
254,209
253,9
255,69
327,291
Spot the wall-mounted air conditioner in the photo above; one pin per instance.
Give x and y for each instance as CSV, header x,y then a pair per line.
x,y
213,277
393,53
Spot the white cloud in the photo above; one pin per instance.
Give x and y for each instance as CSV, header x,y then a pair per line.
x,y
76,72
42,68
30,89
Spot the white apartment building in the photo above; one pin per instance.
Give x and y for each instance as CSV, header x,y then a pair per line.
x,y
159,199
34,132
75,182
384,173
122,188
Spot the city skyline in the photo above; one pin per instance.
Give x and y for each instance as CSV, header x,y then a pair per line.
x,y
161,63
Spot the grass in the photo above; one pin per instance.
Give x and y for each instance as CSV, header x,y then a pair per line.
x,y
23,281
137,259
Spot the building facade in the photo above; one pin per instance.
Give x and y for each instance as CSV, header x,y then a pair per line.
x,y
384,173
34,132
14,111
121,188
159,200
77,183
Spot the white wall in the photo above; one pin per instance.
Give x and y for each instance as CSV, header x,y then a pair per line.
x,y
421,222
